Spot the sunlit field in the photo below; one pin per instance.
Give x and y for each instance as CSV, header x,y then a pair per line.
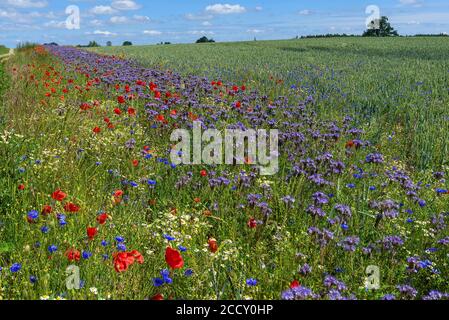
x,y
87,178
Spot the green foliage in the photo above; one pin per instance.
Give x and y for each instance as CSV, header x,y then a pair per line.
x,y
204,39
127,43
380,28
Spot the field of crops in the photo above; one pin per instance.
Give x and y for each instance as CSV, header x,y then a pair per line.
x,y
3,50
88,180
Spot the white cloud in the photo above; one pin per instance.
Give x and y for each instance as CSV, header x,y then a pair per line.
x,y
102,33
141,18
254,31
56,24
27,3
117,19
305,12
193,17
125,5
414,3
225,8
201,32
259,8
206,23
96,23
102,10
152,32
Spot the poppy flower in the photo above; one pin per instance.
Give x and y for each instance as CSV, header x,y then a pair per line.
x,y
294,284
118,193
46,209
91,232
71,207
238,104
117,111
21,187
121,99
138,256
131,111
73,255
106,119
252,223
203,173
157,95
173,258
213,246
58,195
157,297
101,219
197,200
96,130
122,261
350,144
135,162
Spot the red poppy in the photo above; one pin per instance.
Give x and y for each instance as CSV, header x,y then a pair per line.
x,y
160,117
252,223
21,187
131,111
157,297
71,207
122,260
58,195
213,246
101,219
118,193
73,255
91,232
106,119
294,284
173,258
138,256
203,173
135,162
121,99
97,130
46,210
117,111
350,144
157,94
238,104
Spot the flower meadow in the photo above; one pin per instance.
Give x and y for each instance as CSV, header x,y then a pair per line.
x,y
87,181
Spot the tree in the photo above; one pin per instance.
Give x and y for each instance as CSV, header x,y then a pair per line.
x,y
93,44
204,39
109,44
380,28
127,43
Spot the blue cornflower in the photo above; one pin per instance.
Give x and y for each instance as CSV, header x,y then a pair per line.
x,y
151,182
133,184
182,248
45,229
86,255
119,239
169,237
121,247
372,188
188,272
422,203
52,248
251,282
157,282
104,243
33,214
350,185
344,226
33,279
15,267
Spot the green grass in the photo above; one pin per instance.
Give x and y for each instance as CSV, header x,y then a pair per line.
x,y
395,83
3,50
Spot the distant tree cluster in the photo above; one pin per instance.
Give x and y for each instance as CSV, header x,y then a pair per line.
x,y
380,28
127,43
204,40
91,44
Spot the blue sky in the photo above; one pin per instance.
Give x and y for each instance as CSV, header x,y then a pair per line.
x,y
179,21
